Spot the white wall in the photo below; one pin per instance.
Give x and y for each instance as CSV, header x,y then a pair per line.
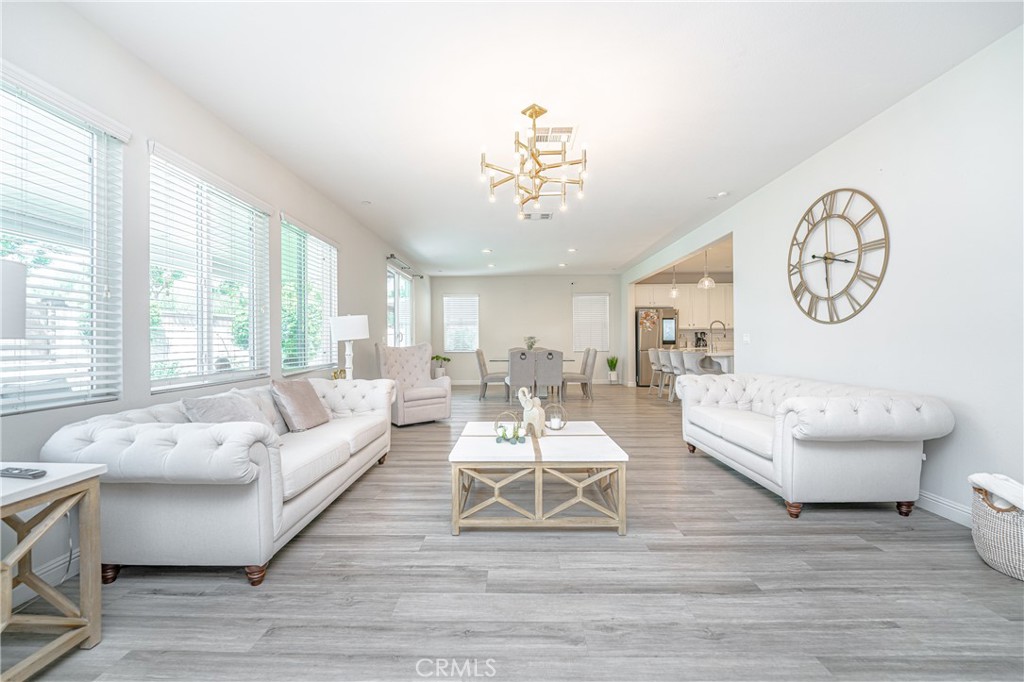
x,y
514,307
57,45
945,166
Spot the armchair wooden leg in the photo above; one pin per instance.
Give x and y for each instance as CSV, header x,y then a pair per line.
x,y
382,458
904,508
691,448
794,509
255,574
108,573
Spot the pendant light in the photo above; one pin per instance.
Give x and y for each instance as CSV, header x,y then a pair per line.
x,y
674,291
706,282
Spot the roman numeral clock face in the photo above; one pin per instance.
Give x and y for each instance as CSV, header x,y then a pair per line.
x,y
838,256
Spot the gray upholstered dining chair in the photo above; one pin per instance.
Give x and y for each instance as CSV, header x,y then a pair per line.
x,y
488,377
652,356
667,374
585,376
418,398
522,366
678,369
549,372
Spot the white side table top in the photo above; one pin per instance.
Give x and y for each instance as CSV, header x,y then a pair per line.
x,y
58,475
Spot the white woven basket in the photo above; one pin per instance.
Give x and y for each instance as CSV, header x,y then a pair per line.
x,y
998,534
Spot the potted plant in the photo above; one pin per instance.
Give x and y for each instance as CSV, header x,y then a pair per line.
x,y
613,362
438,363
530,342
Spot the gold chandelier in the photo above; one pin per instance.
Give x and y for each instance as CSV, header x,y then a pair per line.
x,y
529,176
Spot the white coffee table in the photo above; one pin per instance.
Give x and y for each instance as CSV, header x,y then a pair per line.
x,y
581,455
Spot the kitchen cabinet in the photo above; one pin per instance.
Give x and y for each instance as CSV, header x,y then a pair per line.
x,y
720,304
654,296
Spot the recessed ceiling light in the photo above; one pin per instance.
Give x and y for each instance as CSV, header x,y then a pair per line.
x,y
572,250
718,196
486,251
366,202
490,265
561,265
723,194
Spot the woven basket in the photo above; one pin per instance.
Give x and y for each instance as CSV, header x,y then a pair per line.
x,y
998,534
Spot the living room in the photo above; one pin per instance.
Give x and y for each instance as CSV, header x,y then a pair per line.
x,y
917,106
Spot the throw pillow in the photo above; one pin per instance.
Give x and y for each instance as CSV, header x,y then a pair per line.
x,y
299,404
223,407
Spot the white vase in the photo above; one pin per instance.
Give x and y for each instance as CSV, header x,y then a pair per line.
x,y
613,377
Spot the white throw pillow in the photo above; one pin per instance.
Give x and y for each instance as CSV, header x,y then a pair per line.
x,y
223,407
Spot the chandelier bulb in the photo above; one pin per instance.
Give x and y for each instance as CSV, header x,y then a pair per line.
x,y
579,195
536,204
491,198
564,206
520,215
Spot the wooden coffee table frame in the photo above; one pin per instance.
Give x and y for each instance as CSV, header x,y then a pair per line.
x,y
609,478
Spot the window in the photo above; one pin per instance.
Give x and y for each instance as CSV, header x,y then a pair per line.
x,y
309,296
461,324
590,321
60,215
399,314
208,281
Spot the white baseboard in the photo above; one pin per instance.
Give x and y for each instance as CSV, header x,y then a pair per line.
x,y
947,509
51,572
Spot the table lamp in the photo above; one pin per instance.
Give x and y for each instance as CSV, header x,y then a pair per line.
x,y
348,328
12,297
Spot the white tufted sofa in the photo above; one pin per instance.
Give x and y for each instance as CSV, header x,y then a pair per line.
x,y
810,441
418,398
178,493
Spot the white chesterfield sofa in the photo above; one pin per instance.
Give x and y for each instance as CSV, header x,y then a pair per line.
x,y
810,441
178,493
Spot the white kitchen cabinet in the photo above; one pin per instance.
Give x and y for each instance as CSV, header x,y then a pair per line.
x,y
643,294
700,308
720,304
654,296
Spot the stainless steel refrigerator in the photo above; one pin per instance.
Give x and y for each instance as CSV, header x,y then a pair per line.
x,y
655,328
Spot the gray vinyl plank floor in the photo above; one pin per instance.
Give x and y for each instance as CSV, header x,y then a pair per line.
x,y
712,582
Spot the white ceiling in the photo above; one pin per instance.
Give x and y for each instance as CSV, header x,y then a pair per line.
x,y
392,103
691,268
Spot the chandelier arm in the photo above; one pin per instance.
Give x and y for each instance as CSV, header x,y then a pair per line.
x,y
498,168
499,183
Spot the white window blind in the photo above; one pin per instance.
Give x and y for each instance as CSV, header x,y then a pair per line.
x,y
461,324
309,295
399,312
209,282
60,215
590,321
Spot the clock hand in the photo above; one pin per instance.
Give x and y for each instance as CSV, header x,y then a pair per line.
x,y
823,259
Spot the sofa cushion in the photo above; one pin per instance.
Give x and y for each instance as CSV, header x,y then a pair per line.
x,y
263,398
425,393
299,404
747,429
307,456
221,408
361,430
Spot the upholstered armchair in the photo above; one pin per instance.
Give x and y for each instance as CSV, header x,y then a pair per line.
x,y
418,398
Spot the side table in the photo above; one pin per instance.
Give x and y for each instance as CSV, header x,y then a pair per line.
x,y
63,487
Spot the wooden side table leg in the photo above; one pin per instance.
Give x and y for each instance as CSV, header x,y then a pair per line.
x,y
456,497
620,477
89,564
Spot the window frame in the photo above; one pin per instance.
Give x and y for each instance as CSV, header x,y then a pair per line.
x,y
78,259
330,307
392,311
214,196
604,347
444,322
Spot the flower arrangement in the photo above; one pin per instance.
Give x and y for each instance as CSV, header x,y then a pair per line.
x,y
530,342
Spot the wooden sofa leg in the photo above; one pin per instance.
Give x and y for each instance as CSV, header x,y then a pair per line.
x,y
255,574
794,509
691,448
108,573
904,508
382,458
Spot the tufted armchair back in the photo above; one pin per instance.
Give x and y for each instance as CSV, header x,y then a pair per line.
x,y
409,366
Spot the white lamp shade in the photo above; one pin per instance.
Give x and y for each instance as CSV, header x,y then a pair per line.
x,y
350,328
12,298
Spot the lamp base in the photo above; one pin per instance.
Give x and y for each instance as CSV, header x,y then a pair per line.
x,y
339,374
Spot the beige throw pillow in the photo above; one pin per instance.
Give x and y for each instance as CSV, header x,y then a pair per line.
x,y
299,404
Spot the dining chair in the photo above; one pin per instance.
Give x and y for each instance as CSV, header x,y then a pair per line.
x,y
488,377
667,374
581,376
652,354
678,369
522,365
550,372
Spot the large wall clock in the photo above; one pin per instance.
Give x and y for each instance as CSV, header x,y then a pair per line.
x,y
838,256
